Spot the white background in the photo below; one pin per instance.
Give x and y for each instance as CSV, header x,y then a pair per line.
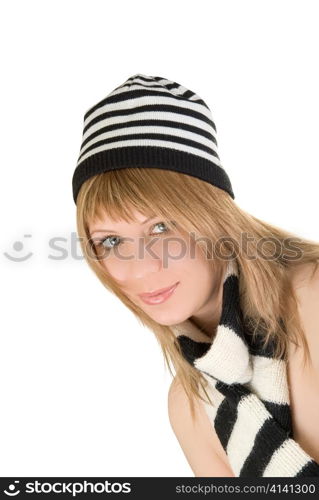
x,y
76,399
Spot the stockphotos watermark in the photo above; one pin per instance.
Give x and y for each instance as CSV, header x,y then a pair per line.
x,y
172,248
73,488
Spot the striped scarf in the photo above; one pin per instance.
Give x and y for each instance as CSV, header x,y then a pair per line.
x,y
251,411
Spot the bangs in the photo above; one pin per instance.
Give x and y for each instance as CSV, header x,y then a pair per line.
x,y
150,191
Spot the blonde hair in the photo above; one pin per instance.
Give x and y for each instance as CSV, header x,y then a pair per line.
x,y
201,208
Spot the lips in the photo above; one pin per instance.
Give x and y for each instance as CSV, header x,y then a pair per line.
x,y
159,296
157,292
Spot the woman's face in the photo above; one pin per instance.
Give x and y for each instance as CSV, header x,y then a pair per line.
x,y
147,256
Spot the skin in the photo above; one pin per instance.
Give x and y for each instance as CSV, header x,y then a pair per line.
x,y
198,296
304,382
306,286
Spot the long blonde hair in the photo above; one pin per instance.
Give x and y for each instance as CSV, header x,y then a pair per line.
x,y
267,298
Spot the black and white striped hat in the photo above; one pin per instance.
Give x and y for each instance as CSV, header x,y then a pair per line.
x,y
150,121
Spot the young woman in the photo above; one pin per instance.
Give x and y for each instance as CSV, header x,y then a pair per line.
x,y
231,299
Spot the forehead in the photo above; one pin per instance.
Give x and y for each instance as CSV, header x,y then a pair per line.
x,y
107,219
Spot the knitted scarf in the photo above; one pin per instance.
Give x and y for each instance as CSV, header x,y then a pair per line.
x,y
251,409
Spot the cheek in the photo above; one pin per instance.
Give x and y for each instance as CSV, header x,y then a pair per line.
x,y
114,266
187,261
174,248
200,266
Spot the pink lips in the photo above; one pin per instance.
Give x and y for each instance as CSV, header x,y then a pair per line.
x,y
158,296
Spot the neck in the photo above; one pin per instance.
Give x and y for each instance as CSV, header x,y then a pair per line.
x,y
208,317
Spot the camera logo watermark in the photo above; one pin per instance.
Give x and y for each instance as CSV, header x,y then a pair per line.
x,y
12,490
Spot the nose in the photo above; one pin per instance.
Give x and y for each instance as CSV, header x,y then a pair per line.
x,y
143,263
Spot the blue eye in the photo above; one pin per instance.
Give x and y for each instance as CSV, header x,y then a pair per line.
x,y
101,242
113,237
161,224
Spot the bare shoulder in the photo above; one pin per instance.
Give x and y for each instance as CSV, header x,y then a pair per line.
x,y
197,438
305,283
314,276
305,276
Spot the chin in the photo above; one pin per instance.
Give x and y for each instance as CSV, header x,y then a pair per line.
x,y
169,319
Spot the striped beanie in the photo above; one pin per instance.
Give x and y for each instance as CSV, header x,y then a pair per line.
x,y
152,122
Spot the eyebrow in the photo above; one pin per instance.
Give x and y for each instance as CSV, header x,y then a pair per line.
x,y
112,230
